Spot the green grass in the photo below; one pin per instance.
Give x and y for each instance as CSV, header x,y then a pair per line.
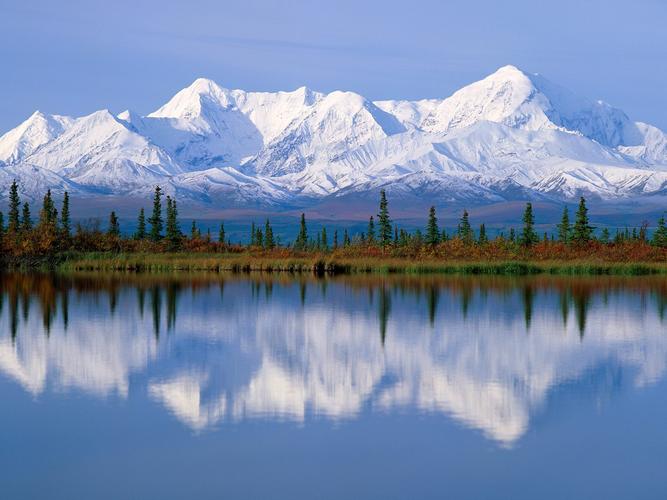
x,y
323,264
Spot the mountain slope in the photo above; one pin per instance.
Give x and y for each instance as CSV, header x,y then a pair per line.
x,y
36,131
509,136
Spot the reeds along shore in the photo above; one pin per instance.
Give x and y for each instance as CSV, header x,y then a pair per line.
x,y
159,244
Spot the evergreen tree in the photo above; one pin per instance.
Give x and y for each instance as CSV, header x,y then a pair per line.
x,y
528,235
371,231
660,234
155,219
483,239
384,222
444,237
269,241
465,230
335,239
2,225
418,237
259,238
582,230
395,234
512,236
432,230
48,216
141,226
114,226
65,222
604,237
325,240
195,234
253,234
564,228
13,222
26,218
172,227
301,242
346,239
221,234
403,238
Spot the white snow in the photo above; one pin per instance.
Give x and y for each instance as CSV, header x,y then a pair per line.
x,y
510,134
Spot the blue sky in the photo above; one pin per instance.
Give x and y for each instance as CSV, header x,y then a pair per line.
x,y
76,57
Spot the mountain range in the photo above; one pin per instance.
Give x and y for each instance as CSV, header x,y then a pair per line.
x,y
511,136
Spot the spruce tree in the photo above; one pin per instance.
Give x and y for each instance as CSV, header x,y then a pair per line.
x,y
528,235
141,226
253,234
221,234
564,228
371,231
194,230
512,236
384,222
483,238
395,235
13,222
582,230
2,225
660,235
114,226
346,239
259,238
155,219
335,239
325,240
172,227
65,222
465,230
26,218
302,238
269,241
48,216
432,230
604,237
403,238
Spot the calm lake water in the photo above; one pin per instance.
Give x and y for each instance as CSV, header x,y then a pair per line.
x,y
123,386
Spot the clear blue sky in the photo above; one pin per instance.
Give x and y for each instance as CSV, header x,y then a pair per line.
x,y
75,57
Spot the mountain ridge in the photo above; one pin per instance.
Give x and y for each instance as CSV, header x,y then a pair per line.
x,y
509,136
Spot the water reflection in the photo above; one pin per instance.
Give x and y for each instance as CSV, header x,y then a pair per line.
x,y
490,352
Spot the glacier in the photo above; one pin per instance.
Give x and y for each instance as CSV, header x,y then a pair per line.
x,y
510,136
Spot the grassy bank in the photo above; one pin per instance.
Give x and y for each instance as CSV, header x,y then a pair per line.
x,y
331,264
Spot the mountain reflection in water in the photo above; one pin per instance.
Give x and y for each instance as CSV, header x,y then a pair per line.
x,y
489,352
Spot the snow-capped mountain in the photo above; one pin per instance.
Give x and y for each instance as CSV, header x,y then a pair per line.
x,y
509,136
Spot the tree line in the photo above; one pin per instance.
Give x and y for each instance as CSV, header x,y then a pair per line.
x,y
54,234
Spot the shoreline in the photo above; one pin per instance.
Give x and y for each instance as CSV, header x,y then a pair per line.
x,y
340,265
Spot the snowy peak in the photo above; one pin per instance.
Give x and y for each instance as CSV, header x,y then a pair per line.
x,y
512,135
508,96
530,102
100,150
36,131
338,123
195,101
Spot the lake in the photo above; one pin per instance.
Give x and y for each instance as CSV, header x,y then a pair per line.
x,y
275,386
